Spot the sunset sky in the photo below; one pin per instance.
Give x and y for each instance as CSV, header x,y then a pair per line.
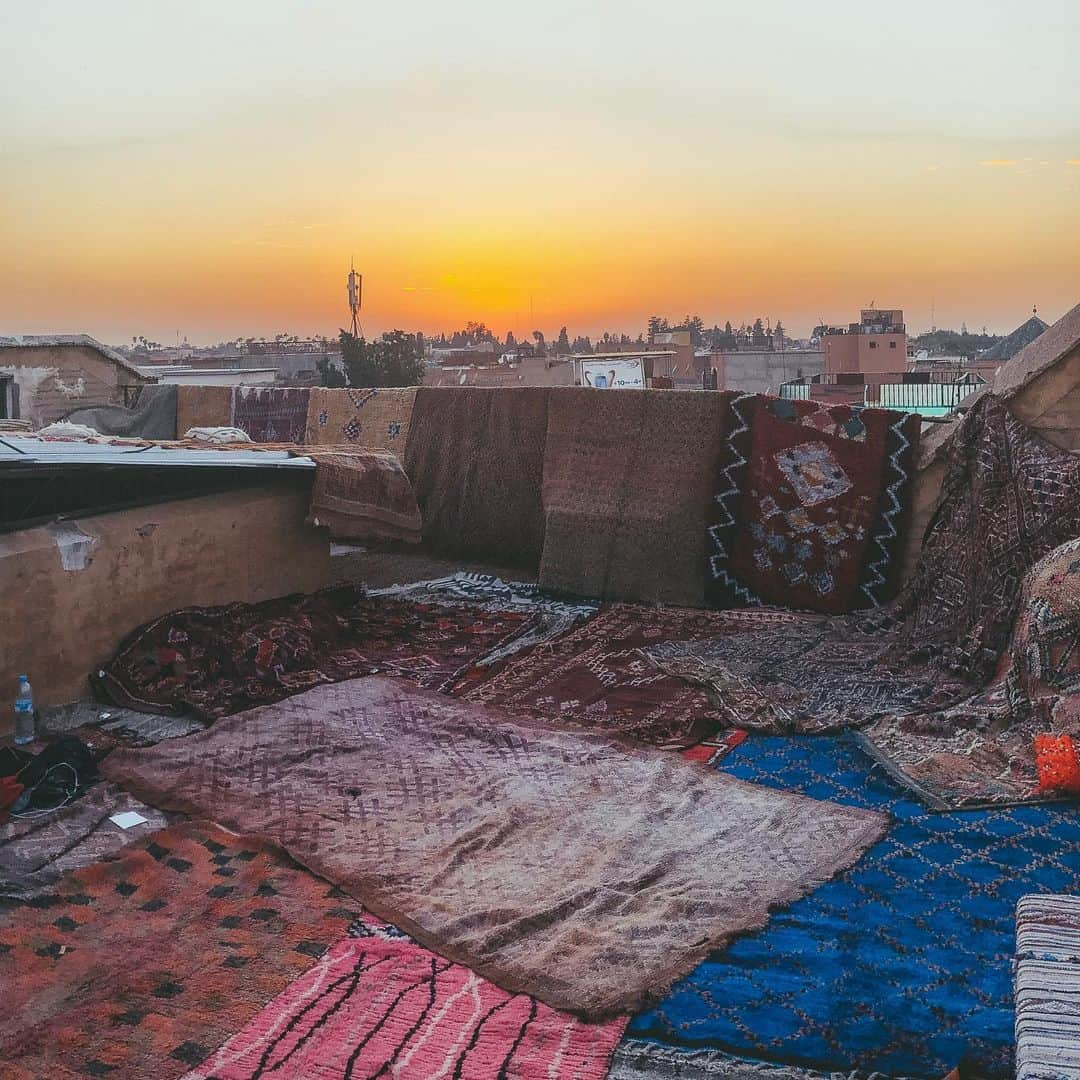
x,y
211,166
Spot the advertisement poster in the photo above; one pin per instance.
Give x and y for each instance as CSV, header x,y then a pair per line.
x,y
611,374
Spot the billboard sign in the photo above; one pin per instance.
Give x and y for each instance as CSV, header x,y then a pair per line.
x,y
611,374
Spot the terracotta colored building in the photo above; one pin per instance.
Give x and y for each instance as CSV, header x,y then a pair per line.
x,y
876,343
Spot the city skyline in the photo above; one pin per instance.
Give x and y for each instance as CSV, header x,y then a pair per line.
x,y
214,170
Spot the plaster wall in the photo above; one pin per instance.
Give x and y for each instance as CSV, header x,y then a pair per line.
x,y
52,381
75,588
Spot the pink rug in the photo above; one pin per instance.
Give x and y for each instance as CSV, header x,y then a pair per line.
x,y
382,1005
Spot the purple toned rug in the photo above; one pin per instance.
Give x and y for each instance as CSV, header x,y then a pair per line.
x,y
564,866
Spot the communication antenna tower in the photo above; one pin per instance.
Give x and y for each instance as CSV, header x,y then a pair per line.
x,y
356,282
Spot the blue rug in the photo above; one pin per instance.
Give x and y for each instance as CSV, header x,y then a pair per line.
x,y
901,965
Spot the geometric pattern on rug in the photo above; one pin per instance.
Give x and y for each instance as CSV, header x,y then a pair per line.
x,y
599,675
551,617
982,750
379,1004
809,504
144,964
215,661
584,872
900,964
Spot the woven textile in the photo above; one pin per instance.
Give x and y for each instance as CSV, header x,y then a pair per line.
x,y
271,414
599,676
1048,988
627,482
983,750
142,965
220,660
811,673
810,504
551,617
364,416
361,494
37,849
568,867
899,965
202,407
378,1003
476,457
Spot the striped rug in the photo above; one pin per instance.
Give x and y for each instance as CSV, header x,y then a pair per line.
x,y
1048,988
381,1005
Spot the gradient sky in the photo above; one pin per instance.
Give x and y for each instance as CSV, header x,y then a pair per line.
x,y
210,166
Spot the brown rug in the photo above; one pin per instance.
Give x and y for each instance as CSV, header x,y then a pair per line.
x,y
476,459
202,406
628,477
600,677
565,866
363,416
361,494
143,965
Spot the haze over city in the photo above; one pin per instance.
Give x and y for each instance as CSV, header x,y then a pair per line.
x,y
212,168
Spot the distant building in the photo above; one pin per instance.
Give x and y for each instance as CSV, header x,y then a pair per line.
x,y
44,377
184,375
1019,339
876,343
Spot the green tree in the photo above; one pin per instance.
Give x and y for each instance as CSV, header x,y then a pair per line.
x,y
393,360
658,325
329,375
562,346
541,345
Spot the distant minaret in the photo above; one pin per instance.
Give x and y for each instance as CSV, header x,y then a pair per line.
x,y
356,282
1034,311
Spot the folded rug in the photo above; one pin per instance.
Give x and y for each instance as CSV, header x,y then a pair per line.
x,y
378,1003
810,504
564,866
365,416
476,457
900,965
627,483
220,660
983,749
1048,988
144,964
600,677
271,414
37,849
361,494
551,617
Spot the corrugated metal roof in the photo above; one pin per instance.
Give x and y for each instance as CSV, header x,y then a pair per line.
x,y
26,453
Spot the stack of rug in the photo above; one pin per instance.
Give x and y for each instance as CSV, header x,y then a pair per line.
x,y
220,660
476,457
565,866
627,483
810,505
1048,988
362,494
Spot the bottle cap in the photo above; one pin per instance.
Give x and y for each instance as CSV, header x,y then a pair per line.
x,y
24,677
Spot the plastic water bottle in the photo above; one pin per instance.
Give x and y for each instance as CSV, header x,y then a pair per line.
x,y
24,713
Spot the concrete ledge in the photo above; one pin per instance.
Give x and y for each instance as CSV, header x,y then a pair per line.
x,y
75,588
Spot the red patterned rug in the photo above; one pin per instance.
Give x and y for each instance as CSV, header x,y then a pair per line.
x,y
144,964
378,1004
221,660
810,505
598,676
